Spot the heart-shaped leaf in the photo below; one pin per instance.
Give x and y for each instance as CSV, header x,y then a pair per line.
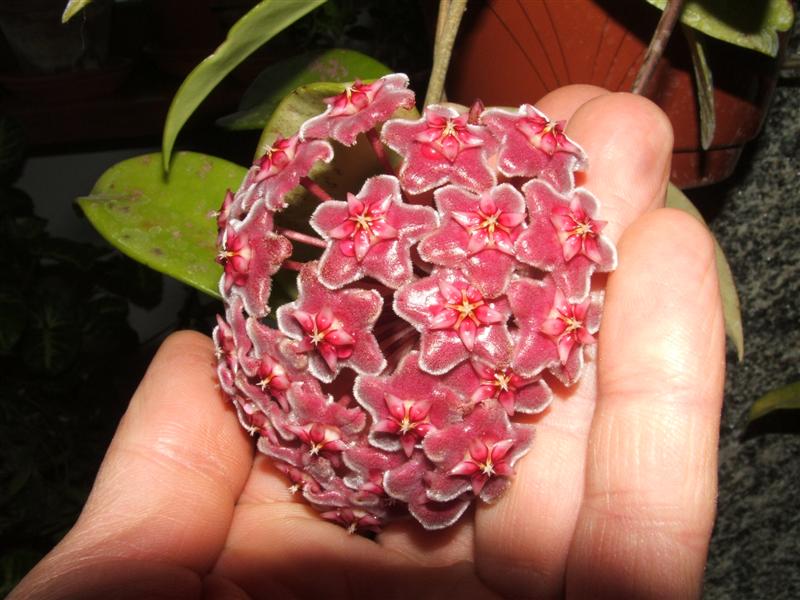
x,y
258,26
750,24
731,311
783,398
277,81
162,220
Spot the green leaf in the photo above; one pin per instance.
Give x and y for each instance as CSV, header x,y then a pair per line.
x,y
730,299
73,8
162,220
705,86
277,81
258,26
750,24
786,398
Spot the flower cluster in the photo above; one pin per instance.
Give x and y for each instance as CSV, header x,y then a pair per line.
x,y
441,299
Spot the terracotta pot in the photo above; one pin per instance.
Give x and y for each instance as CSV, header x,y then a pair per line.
x,y
509,52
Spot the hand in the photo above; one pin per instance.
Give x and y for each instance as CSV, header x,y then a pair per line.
x,y
615,499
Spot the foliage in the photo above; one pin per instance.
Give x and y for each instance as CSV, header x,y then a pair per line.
x,y
745,23
63,323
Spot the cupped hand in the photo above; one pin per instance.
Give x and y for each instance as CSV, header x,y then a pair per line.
x,y
615,500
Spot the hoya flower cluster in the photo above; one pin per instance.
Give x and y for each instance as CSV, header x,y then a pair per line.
x,y
446,295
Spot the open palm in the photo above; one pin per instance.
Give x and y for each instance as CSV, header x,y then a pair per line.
x,y
616,498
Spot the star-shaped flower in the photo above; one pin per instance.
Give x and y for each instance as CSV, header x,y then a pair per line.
x,y
441,147
531,145
279,171
484,380
369,466
564,237
406,405
371,234
477,234
477,454
251,254
552,330
407,483
333,326
452,317
268,371
359,108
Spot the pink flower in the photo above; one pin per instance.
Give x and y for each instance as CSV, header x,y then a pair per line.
x,y
369,466
405,406
439,148
353,519
370,235
269,370
485,380
564,237
477,454
251,253
376,411
280,169
407,483
531,145
223,215
552,330
333,326
477,235
359,108
452,318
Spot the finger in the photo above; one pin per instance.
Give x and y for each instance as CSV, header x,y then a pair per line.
x,y
648,506
168,484
561,104
628,140
522,543
281,550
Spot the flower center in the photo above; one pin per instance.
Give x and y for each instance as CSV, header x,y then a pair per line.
x,y
487,467
465,309
582,228
365,222
502,380
572,323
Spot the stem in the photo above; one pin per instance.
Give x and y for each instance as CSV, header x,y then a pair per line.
x,y
293,265
380,150
450,13
315,189
401,335
301,237
658,43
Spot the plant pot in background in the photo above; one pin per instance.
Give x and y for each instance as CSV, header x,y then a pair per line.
x,y
513,52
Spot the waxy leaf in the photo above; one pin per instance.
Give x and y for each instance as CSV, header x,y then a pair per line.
x,y
162,220
731,311
750,24
704,83
277,81
786,398
258,26
73,8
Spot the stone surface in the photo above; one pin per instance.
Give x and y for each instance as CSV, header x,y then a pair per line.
x,y
755,550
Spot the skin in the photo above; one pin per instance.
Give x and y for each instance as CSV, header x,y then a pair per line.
x,y
615,500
